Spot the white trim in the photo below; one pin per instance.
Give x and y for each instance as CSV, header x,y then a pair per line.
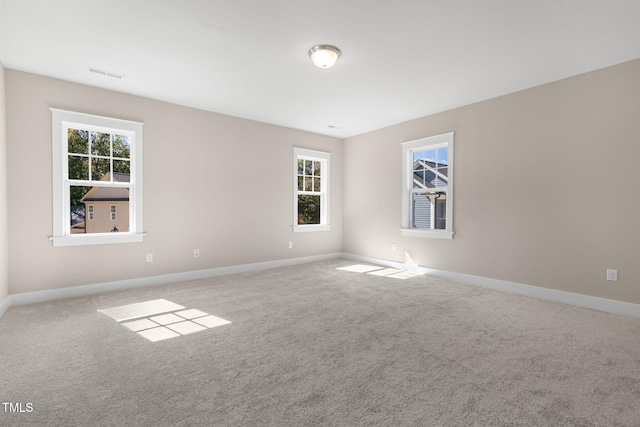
x,y
97,239
83,290
4,305
310,227
445,139
418,232
595,303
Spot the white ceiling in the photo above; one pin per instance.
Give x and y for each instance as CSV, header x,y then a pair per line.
x,y
402,59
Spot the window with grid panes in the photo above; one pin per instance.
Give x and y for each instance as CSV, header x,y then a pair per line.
x,y
311,189
427,197
97,171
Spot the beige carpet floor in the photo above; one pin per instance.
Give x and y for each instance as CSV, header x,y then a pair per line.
x,y
314,345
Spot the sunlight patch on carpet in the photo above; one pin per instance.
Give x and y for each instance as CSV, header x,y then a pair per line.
x,y
379,271
158,320
158,334
141,309
185,328
211,321
140,325
404,275
166,319
359,268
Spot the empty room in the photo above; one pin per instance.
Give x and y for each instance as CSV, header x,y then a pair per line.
x,y
338,213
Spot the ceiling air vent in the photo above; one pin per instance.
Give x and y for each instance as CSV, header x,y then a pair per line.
x,y
106,73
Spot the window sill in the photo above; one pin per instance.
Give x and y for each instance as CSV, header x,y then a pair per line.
x,y
96,239
305,228
435,234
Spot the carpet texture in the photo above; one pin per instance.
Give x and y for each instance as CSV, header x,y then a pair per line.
x,y
313,345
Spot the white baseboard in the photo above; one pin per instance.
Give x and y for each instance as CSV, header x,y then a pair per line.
x,y
602,304
83,290
4,305
596,303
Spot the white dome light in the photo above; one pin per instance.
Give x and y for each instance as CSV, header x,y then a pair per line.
x,y
324,55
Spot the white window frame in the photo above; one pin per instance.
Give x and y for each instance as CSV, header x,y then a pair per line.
x,y
325,180
408,148
61,121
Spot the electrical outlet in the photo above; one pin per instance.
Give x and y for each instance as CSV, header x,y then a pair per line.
x,y
612,275
393,247
290,245
196,253
149,257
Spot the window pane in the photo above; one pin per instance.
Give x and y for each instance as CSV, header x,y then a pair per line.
x,y
107,202
77,209
430,168
78,167
308,209
308,183
122,167
429,211
443,155
121,146
316,184
417,155
300,167
418,180
100,144
308,167
300,183
441,213
317,167
99,168
430,180
421,211
430,156
418,170
78,141
443,174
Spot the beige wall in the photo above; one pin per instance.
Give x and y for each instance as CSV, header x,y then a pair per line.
x,y
216,183
4,248
546,187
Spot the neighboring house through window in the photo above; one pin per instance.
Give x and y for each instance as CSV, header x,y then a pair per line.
x,y
311,190
97,171
427,194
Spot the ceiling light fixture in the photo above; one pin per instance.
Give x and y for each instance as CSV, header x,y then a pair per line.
x,y
324,55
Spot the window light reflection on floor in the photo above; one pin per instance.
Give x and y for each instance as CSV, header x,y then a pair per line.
x,y
158,320
380,271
